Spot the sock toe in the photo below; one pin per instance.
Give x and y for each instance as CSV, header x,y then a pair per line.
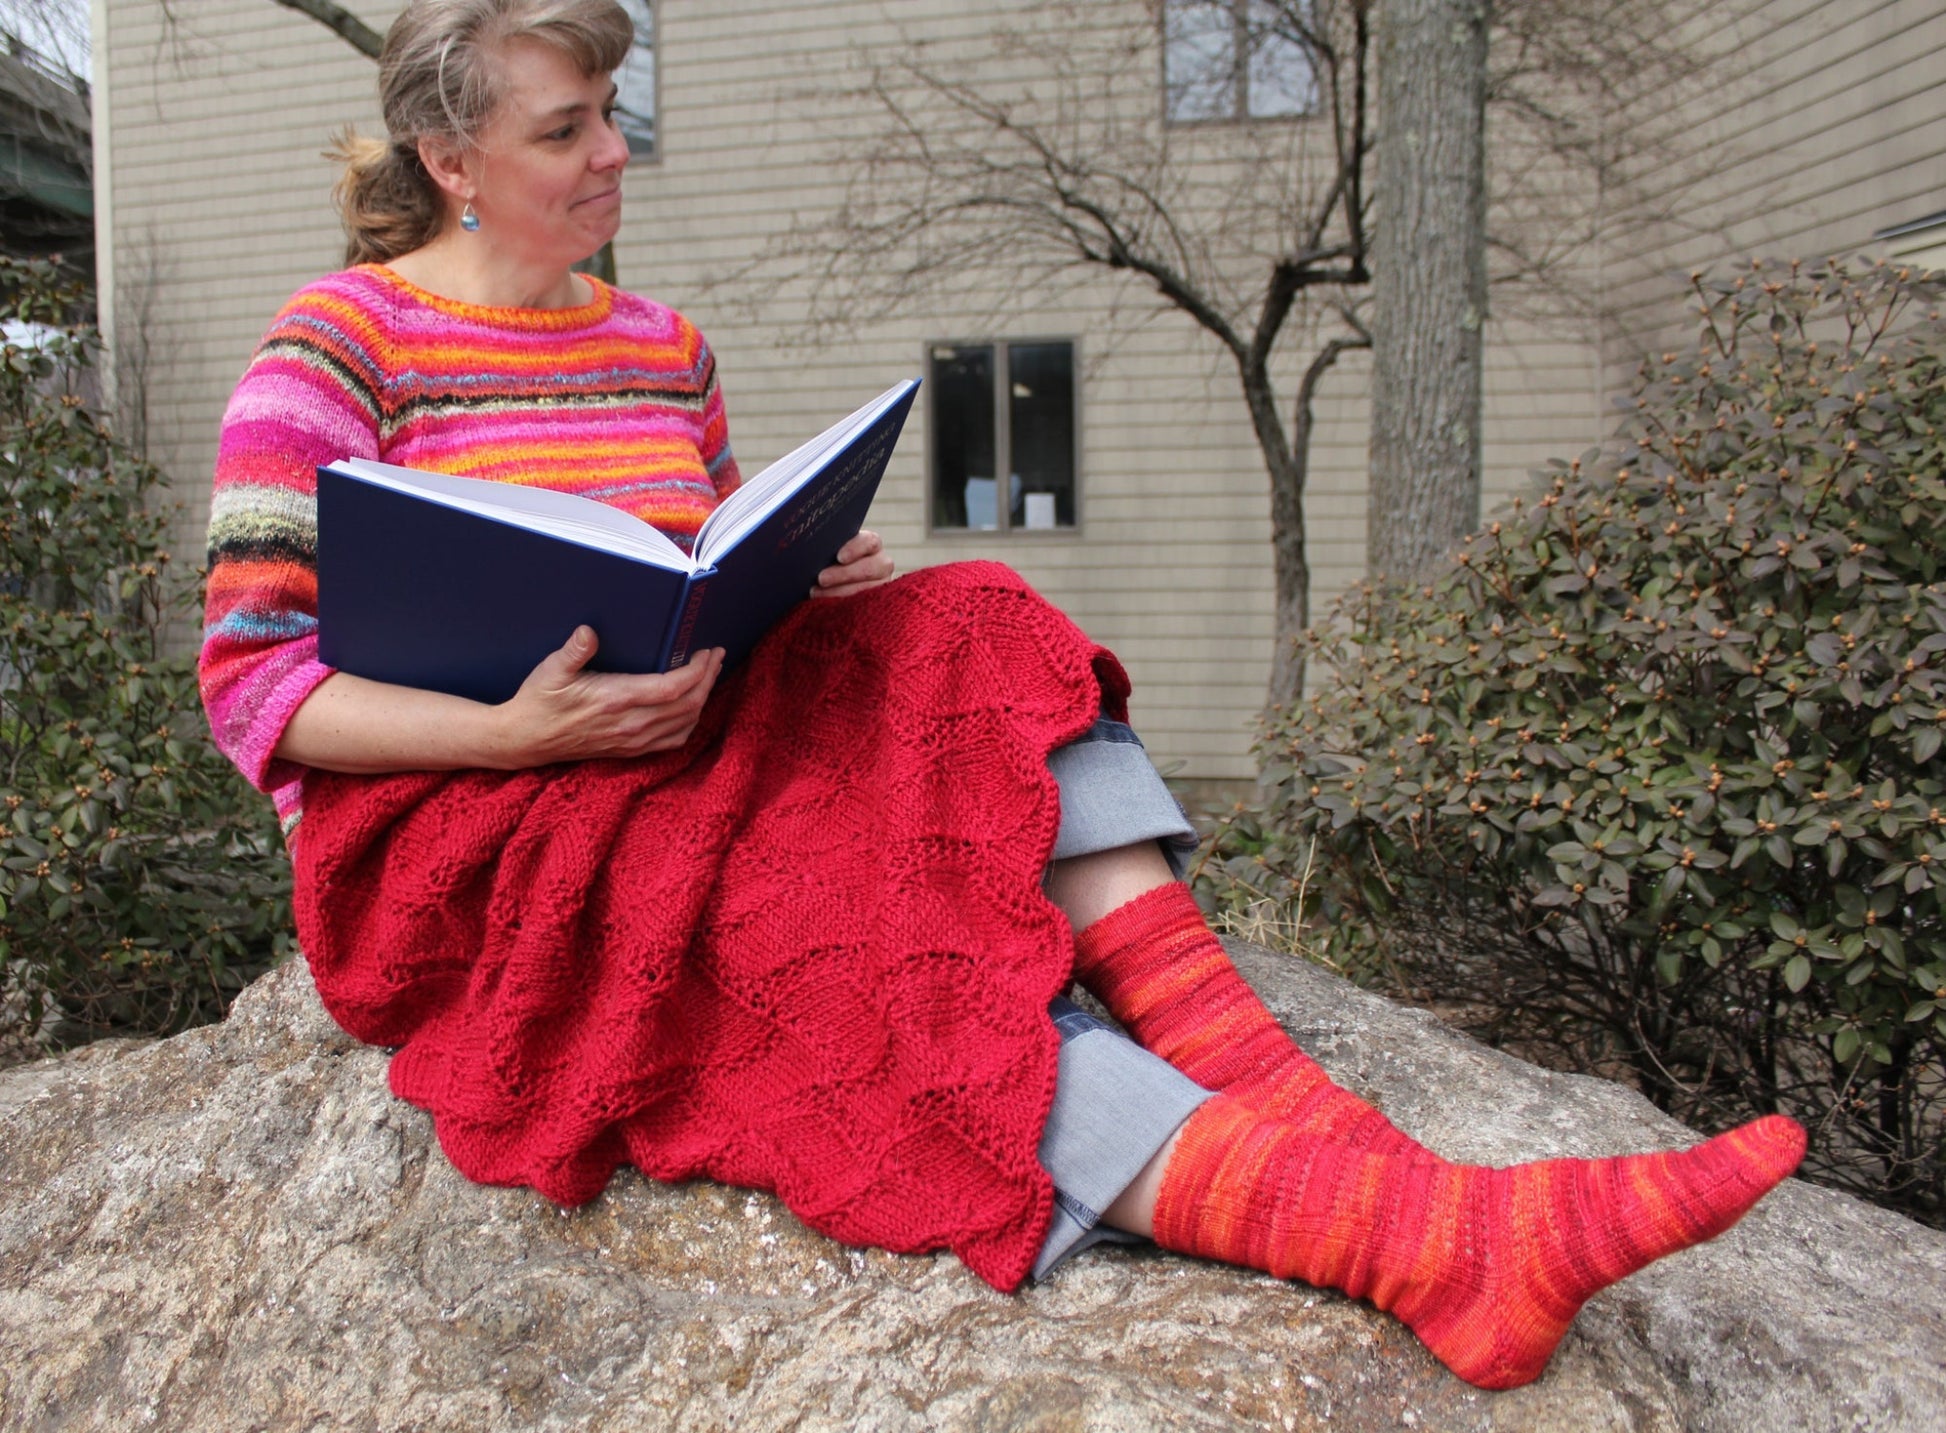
x,y
1563,1230
1774,1144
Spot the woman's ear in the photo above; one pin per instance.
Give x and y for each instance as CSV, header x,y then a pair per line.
x,y
446,163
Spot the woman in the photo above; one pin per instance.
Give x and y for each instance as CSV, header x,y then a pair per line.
x,y
799,926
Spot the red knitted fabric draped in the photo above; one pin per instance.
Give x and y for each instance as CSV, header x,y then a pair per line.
x,y
807,953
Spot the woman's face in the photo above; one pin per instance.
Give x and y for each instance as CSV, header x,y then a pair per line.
x,y
547,171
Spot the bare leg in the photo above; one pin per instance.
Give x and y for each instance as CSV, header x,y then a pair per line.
x,y
1089,887
1134,1208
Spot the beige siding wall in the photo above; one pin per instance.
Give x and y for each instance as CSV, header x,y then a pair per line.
x,y
1171,566
217,191
220,200
1825,125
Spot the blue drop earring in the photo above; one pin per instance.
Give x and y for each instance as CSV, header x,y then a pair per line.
x,y
468,220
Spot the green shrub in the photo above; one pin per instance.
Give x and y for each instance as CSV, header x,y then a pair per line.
x,y
141,881
1649,781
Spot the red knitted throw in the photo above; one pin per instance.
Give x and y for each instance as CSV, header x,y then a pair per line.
x,y
807,953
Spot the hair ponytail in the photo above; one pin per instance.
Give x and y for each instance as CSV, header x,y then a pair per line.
x,y
384,197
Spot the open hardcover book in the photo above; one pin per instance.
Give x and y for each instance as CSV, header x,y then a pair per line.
x,y
463,585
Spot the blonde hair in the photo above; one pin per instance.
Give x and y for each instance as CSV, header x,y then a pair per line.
x,y
439,78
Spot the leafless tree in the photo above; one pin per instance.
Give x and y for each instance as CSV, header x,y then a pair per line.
x,y
1254,231
55,31
342,23
1593,91
139,277
44,112
1260,232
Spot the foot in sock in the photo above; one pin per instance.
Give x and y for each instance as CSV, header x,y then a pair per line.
x,y
1160,971
1487,1266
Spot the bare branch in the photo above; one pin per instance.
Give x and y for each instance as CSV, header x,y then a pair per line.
x,y
1035,155
341,22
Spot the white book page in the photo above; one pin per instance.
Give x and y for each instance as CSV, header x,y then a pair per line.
x,y
563,515
762,495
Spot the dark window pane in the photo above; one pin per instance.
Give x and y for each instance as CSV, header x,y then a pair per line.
x,y
1199,59
635,82
1040,414
963,493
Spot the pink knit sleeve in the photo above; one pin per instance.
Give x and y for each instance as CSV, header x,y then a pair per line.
x,y
309,396
714,442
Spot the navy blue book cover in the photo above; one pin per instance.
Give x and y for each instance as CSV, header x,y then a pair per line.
x,y
423,594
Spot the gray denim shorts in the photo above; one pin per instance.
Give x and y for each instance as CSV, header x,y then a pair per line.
x,y
1115,1104
1111,796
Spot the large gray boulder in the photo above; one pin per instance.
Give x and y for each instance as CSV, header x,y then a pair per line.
x,y
240,1229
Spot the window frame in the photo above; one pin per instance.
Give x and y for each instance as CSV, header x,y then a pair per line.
x,y
1239,77
1002,439
653,155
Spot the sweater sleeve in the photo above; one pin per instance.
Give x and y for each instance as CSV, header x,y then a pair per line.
x,y
714,442
309,396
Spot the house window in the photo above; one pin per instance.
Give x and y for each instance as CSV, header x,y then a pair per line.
x,y
635,83
1002,408
1236,59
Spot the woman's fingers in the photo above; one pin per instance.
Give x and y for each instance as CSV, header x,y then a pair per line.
x,y
658,708
676,718
844,581
566,713
861,563
656,689
863,545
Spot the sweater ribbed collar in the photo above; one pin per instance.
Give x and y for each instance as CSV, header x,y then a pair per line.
x,y
525,320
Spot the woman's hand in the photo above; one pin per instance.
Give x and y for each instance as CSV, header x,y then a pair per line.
x,y
563,712
861,563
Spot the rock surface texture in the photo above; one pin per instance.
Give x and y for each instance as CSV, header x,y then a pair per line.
x,y
240,1229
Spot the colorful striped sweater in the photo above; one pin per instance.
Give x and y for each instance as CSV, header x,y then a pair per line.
x,y
616,400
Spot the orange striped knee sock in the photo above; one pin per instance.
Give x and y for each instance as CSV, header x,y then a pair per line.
x,y
1160,971
1487,1266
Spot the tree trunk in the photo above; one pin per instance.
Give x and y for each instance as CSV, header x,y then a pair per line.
x,y
1287,459
1292,571
1293,582
1429,282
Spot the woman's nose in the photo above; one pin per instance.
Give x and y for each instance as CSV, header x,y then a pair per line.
x,y
612,153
